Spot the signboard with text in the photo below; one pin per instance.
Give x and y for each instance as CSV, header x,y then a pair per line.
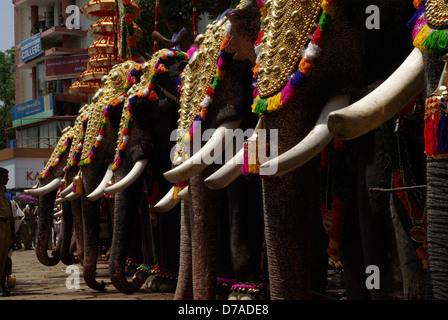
x,y
65,67
31,48
33,110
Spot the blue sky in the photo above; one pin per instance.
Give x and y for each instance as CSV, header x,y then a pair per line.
x,y
6,24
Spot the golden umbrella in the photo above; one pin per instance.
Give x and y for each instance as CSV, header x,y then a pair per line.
x,y
86,87
93,74
96,8
104,26
101,45
103,60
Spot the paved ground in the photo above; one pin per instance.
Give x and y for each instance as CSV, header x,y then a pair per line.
x,y
35,281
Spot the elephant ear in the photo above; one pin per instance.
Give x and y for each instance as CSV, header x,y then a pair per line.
x,y
245,21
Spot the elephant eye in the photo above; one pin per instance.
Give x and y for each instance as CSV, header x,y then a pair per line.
x,y
437,13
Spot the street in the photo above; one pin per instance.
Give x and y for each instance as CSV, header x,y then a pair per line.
x,y
34,281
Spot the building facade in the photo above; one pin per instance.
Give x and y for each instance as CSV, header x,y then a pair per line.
x,y
51,37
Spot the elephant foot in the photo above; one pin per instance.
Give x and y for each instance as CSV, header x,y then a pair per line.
x,y
163,284
223,288
131,267
249,292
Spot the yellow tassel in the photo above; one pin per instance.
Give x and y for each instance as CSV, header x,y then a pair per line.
x,y
421,37
77,184
176,192
275,102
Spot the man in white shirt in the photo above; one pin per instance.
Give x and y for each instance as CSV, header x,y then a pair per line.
x,y
181,39
219,8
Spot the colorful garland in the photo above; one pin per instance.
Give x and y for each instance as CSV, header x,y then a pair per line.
x,y
128,30
426,37
149,93
333,188
133,78
75,159
313,50
67,143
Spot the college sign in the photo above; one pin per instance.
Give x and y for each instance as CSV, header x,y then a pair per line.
x,y
31,48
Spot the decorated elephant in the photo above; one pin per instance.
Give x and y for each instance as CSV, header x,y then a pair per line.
x,y
428,31
221,230
142,155
343,57
50,181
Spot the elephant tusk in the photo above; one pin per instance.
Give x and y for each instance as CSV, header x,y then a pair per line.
x,y
167,202
129,179
54,184
99,191
183,194
66,191
227,173
60,200
72,196
318,138
196,163
381,104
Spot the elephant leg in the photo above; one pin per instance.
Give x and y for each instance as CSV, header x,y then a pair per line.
x,y
377,230
78,228
66,234
352,252
91,220
437,217
169,239
411,266
46,205
184,289
247,231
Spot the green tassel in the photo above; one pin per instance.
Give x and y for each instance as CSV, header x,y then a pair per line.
x,y
325,22
261,107
437,42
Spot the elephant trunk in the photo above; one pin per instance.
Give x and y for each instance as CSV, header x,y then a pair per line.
x,y
45,215
66,234
124,213
78,229
437,175
91,215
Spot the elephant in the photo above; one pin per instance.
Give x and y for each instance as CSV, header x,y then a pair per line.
x,y
143,154
85,212
51,179
427,25
221,230
342,58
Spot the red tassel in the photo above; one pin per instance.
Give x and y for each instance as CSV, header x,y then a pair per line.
x,y
153,96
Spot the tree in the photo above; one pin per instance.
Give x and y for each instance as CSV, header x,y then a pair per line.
x,y
7,93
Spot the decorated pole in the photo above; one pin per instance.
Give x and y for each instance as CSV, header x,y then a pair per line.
x,y
195,21
156,23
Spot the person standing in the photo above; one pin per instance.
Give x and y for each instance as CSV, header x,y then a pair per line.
x,y
181,39
219,8
7,231
28,230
